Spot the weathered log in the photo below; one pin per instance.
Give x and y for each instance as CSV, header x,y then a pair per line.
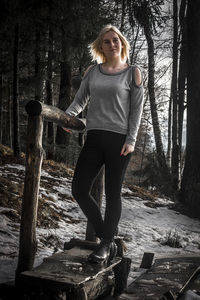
x,y
34,156
54,114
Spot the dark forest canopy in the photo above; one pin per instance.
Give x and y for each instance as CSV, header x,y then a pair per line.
x,y
44,53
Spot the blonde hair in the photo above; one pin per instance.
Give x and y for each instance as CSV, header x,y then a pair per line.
x,y
95,47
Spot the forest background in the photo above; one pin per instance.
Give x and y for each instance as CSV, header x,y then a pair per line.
x,y
44,53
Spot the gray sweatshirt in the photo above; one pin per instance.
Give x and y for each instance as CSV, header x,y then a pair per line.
x,y
115,101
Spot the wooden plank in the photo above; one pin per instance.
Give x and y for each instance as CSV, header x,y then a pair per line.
x,y
166,274
147,260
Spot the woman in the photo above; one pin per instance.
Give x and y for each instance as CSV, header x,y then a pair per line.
x,y
116,101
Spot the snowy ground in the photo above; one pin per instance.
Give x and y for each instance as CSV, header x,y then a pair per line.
x,y
145,227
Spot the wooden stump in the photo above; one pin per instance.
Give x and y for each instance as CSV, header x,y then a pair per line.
x,y
69,272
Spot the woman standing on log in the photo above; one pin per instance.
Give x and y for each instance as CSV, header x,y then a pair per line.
x,y
115,91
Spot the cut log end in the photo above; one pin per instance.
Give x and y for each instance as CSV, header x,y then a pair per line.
x,y
33,108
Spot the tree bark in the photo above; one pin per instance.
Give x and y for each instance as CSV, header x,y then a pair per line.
x,y
175,163
123,14
169,135
1,109
190,186
62,138
38,71
16,143
9,114
50,131
182,72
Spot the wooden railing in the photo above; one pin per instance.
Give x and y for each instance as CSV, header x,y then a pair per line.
x,y
37,112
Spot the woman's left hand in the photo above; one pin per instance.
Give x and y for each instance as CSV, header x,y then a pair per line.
x,y
67,130
126,149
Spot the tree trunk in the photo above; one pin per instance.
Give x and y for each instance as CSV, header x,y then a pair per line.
x,y
38,76
182,72
134,54
123,14
169,135
65,86
62,138
190,186
1,109
175,163
9,115
50,131
154,114
16,144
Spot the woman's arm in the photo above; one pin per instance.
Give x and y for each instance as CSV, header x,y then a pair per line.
x,y
82,96
135,115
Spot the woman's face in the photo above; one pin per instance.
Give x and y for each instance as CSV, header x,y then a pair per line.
x,y
111,45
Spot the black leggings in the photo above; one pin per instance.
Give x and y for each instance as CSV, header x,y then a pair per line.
x,y
101,148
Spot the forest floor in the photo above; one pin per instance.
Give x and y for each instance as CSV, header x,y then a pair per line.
x,y
149,222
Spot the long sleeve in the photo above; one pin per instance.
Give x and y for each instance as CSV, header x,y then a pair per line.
x,y
81,98
136,109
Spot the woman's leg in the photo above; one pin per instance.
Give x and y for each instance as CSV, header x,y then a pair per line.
x,y
88,166
115,168
113,185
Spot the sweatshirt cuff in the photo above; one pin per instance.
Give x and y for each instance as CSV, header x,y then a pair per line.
x,y
129,140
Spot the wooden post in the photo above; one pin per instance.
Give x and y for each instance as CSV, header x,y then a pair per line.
x,y
34,155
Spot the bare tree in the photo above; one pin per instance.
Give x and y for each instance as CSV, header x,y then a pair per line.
x,y
148,15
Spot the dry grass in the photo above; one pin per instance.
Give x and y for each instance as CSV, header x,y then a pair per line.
x,y
12,185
